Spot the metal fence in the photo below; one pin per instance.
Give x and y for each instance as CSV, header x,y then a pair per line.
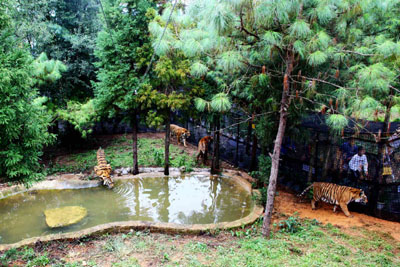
x,y
320,159
325,160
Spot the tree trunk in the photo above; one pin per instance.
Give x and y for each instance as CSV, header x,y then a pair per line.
x,y
311,163
269,206
327,160
253,164
237,146
248,137
135,169
215,161
167,142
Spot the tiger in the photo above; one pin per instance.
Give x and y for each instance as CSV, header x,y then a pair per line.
x,y
202,149
336,195
180,133
103,169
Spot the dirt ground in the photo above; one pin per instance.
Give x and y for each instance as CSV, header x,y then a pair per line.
x,y
288,203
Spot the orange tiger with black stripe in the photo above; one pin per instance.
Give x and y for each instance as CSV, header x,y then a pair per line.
x,y
180,133
103,169
336,195
202,148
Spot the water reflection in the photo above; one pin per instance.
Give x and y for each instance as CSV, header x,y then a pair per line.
x,y
184,200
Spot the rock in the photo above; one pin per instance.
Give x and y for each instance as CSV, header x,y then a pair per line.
x,y
129,169
182,168
124,171
64,216
117,172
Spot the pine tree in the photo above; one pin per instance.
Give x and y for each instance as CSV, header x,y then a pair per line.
x,y
123,50
285,57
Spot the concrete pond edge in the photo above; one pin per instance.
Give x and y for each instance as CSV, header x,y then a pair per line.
x,y
239,177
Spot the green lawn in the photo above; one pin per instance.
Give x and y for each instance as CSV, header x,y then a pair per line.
x,y
119,154
299,243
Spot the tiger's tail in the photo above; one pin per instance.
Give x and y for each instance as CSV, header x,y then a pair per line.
x,y
305,190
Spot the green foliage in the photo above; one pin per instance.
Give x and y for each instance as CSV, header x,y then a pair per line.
x,y
123,51
299,29
47,71
264,169
198,70
66,31
230,61
291,225
221,103
336,122
317,58
23,119
82,116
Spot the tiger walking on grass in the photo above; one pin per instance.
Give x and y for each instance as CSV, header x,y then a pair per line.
x,y
180,133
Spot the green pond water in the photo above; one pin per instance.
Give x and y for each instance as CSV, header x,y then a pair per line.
x,y
195,199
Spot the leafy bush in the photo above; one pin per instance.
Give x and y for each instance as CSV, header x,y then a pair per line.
x,y
264,169
291,225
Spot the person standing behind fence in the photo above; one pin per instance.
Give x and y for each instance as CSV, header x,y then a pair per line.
x,y
357,164
349,149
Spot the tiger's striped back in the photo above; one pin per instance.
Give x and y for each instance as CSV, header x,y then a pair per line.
x,y
336,195
103,169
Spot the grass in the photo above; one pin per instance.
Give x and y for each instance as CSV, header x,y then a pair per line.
x,y
119,154
307,244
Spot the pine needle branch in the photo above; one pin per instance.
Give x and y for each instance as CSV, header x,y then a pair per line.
x,y
242,28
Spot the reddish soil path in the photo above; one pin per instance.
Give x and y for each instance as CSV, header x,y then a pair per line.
x,y
289,204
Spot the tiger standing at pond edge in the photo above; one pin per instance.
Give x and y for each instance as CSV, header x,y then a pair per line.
x,y
336,195
202,149
103,169
179,132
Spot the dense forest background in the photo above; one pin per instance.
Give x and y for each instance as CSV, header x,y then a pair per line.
x,y
82,61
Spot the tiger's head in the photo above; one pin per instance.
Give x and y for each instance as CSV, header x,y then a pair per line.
x,y
359,196
106,177
186,134
208,138
108,182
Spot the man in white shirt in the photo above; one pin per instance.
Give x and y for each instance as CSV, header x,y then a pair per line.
x,y
358,163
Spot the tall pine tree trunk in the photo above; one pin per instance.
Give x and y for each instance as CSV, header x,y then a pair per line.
x,y
135,169
269,206
167,142
253,164
237,145
215,160
248,137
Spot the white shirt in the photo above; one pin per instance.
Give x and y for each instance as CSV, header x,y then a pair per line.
x,y
357,163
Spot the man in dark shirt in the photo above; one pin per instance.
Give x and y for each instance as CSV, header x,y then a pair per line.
x,y
349,149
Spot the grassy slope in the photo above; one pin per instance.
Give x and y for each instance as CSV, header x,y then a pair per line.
x,y
119,154
302,243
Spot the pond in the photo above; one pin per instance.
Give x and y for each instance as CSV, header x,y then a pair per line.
x,y
188,199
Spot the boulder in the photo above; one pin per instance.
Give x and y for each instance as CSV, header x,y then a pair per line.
x,y
64,216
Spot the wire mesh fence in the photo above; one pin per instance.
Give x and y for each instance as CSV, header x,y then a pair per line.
x,y
326,159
